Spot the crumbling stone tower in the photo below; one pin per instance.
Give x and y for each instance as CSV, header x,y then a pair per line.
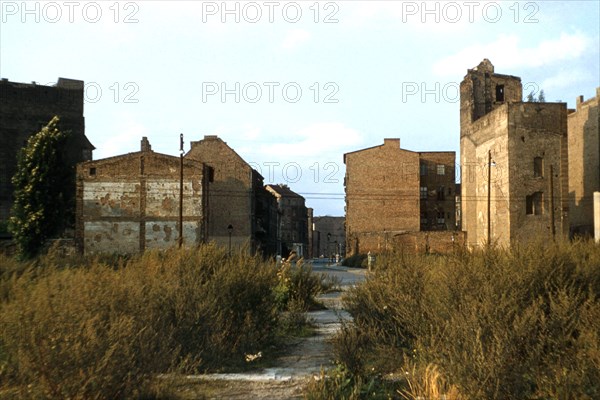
x,y
514,161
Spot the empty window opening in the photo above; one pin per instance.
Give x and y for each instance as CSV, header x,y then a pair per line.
x,y
93,171
440,193
440,218
499,92
534,204
423,192
423,218
538,167
423,168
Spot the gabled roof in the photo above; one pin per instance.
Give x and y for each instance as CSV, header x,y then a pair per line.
x,y
222,143
282,191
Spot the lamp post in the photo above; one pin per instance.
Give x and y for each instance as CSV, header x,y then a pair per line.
x,y
230,230
336,255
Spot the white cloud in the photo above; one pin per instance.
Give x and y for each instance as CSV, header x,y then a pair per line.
x,y
506,52
317,141
432,17
126,140
565,79
294,38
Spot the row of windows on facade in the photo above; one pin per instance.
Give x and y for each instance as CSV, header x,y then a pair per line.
x,y
440,218
440,193
440,169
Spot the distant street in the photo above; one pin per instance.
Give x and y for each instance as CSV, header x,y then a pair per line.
x,y
349,276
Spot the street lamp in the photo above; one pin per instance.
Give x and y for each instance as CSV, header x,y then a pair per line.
x,y
336,252
230,230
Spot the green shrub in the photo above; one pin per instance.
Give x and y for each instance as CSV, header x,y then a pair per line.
x,y
356,261
298,284
519,324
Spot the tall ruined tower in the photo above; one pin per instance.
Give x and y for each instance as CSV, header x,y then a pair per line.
x,y
513,161
482,91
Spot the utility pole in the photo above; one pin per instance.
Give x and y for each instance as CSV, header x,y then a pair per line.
x,y
489,200
552,201
180,241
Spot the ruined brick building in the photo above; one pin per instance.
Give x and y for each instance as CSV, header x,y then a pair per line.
x,y
329,236
24,110
293,221
130,203
391,192
236,197
584,163
514,160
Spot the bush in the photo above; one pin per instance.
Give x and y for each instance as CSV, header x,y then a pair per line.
x,y
102,331
356,261
519,324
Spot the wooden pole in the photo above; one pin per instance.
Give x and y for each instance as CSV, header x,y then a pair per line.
x,y
180,242
489,200
552,202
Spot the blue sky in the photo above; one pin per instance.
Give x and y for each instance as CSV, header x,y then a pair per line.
x,y
292,86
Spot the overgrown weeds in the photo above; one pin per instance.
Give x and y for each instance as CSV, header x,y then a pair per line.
x,y
495,324
105,327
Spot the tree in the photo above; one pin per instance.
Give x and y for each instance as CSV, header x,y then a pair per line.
x,y
44,190
540,99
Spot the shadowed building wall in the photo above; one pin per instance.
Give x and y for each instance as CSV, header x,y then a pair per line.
x,y
584,163
235,196
24,110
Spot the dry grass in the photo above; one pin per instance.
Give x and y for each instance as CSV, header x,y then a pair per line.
x,y
519,324
102,328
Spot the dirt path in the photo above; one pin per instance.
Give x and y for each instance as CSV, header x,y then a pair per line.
x,y
287,378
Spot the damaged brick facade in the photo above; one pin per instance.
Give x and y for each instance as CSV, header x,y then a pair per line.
x,y
584,163
391,191
513,153
236,196
293,221
324,245
24,110
129,203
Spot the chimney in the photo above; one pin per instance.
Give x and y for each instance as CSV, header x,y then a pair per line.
x,y
394,142
145,145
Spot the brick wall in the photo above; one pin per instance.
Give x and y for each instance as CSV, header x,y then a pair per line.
x,y
410,242
515,134
382,191
130,203
584,162
24,110
236,197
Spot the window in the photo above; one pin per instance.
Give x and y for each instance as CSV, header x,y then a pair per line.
x,y
441,170
423,192
423,168
440,218
449,191
538,167
499,92
423,218
441,194
534,204
93,171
